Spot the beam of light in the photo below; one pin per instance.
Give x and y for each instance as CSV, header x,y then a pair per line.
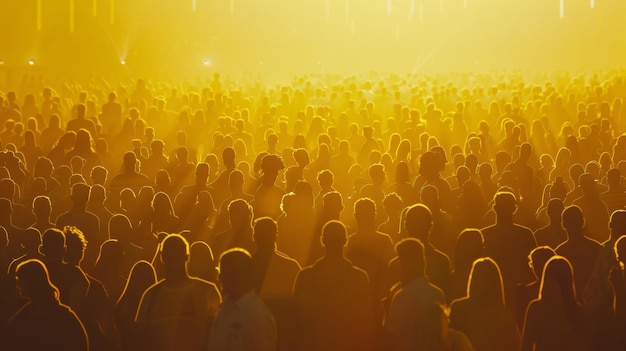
x,y
388,7
39,15
411,10
194,5
592,4
94,8
71,16
561,8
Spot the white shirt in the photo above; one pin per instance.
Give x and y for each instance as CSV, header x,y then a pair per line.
x,y
243,325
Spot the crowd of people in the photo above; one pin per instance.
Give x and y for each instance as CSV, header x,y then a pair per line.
x,y
380,212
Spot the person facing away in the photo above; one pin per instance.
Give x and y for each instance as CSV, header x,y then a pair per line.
x,y
332,301
177,312
581,251
243,322
368,248
274,274
553,234
43,323
525,293
418,224
509,245
554,321
413,297
481,315
240,232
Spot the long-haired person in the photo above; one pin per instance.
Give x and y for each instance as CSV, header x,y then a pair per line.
x,y
482,315
554,321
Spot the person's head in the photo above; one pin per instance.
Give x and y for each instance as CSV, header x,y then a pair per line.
x,y
469,247
620,250
557,281
418,222
485,282
201,260
162,204
240,214
53,244
412,258
80,194
75,245
618,223
120,228
587,183
42,207
573,220
130,162
538,258
334,237
325,178
393,204
265,232
34,283
174,252
31,240
504,204
141,277
332,202
236,273
555,210
365,213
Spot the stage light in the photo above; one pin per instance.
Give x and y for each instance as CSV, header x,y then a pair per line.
x,y
206,62
1,62
31,62
122,62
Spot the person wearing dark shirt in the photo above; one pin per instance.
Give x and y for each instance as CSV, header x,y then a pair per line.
x,y
43,323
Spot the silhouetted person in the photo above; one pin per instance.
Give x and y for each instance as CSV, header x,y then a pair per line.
x,y
243,322
469,247
108,268
368,248
129,177
554,321
177,312
334,310
593,208
268,196
30,242
240,232
509,245
87,222
42,209
615,196
202,263
142,276
553,234
95,311
410,299
274,275
581,251
43,323
525,293
482,315
418,224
